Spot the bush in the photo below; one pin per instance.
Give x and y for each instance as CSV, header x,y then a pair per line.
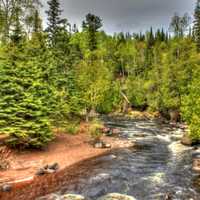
x,y
95,128
195,129
191,109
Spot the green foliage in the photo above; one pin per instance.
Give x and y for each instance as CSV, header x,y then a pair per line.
x,y
196,27
191,107
55,23
94,81
24,100
91,25
136,92
49,78
95,127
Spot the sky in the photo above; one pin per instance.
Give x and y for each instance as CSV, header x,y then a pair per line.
x,y
126,15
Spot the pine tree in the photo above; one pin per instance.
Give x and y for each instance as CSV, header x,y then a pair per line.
x,y
196,27
16,35
55,23
150,38
92,24
37,22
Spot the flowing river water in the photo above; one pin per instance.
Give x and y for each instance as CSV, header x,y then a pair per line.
x,y
160,168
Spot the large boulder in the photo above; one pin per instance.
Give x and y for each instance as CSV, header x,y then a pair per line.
x,y
116,196
186,140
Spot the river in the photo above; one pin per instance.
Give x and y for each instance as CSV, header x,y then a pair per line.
x,y
158,168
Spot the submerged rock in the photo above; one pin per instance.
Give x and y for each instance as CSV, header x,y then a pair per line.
x,y
116,196
72,197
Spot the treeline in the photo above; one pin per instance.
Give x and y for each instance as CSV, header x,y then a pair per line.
x,y
50,78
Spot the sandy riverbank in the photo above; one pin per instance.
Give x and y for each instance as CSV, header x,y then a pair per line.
x,y
67,150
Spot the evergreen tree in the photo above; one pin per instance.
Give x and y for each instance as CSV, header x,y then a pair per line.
x,y
55,22
37,22
196,27
92,24
17,33
25,98
150,38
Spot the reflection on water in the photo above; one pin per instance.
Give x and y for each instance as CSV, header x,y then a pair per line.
x,y
159,166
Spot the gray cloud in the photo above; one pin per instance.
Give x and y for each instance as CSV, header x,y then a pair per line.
x,y
127,15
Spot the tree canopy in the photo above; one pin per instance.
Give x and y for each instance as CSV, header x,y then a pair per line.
x,y
52,76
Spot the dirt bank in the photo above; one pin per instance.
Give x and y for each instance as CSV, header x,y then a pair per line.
x,y
67,150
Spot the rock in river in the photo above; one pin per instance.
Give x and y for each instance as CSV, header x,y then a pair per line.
x,y
72,197
116,196
186,140
196,163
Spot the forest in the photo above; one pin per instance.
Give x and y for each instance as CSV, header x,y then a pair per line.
x,y
53,77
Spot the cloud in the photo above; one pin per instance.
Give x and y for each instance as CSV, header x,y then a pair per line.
x,y
127,15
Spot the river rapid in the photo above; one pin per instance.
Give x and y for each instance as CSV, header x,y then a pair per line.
x,y
159,168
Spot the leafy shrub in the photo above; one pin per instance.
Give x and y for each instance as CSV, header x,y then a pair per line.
x,y
195,128
191,109
95,128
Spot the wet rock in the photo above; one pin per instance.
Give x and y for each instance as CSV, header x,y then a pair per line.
x,y
196,182
168,196
54,166
107,146
106,130
116,196
48,169
196,162
6,188
102,145
72,197
186,140
98,145
40,172
115,131
99,178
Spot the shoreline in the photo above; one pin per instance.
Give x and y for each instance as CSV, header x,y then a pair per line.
x,y
72,153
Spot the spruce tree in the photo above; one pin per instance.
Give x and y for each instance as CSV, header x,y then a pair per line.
x,y
92,24
37,22
55,23
196,27
25,97
17,33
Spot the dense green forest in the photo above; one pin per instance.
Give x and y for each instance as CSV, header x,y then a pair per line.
x,y
51,77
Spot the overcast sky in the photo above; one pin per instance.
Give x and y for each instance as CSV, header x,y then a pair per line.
x,y
126,15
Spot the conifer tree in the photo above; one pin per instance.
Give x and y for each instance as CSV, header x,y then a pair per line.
x,y
37,22
16,35
25,98
92,24
55,22
196,27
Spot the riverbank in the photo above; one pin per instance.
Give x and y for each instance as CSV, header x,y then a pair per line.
x,y
68,151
